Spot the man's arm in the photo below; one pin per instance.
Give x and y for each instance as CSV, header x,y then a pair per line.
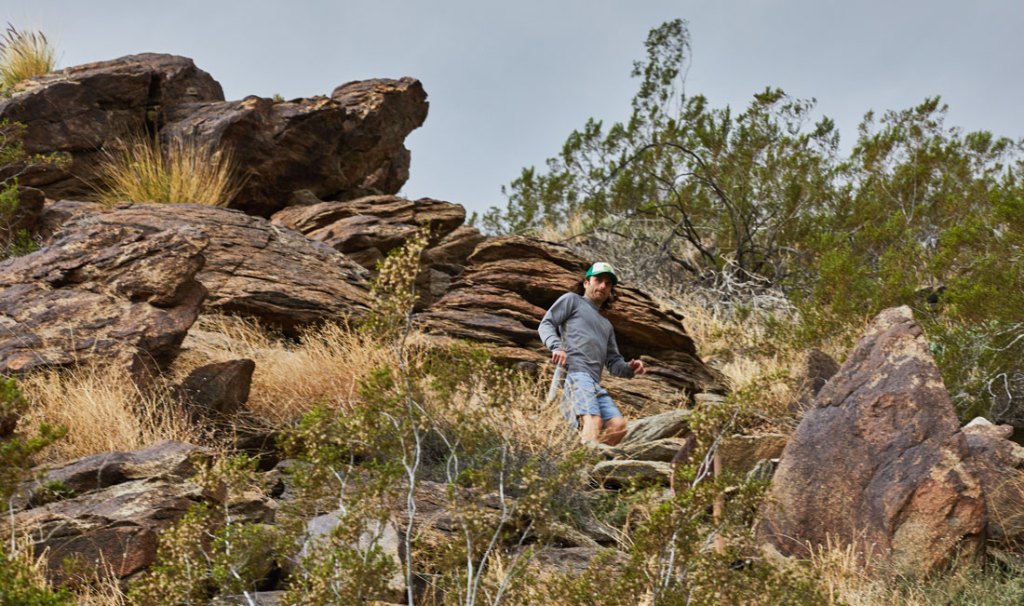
x,y
552,322
617,365
614,361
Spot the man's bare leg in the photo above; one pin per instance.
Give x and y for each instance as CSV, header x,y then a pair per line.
x,y
614,431
591,428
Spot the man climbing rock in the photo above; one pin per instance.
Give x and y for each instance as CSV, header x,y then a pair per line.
x,y
582,339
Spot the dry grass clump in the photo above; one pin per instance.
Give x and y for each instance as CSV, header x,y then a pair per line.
x,y
853,582
102,410
186,172
24,54
291,378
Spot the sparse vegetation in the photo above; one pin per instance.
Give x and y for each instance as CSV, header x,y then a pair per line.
x,y
749,225
142,169
24,54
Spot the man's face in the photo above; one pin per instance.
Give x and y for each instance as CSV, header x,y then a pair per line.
x,y
598,288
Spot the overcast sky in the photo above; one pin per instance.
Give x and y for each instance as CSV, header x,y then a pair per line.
x,y
508,81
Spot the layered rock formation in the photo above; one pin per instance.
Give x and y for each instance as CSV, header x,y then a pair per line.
x,y
252,268
102,292
343,146
510,282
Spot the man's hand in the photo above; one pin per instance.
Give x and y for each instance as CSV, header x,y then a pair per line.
x,y
558,357
637,367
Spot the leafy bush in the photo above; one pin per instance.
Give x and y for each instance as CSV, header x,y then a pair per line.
x,y
20,581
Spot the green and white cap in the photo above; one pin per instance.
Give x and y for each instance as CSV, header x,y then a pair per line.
x,y
603,268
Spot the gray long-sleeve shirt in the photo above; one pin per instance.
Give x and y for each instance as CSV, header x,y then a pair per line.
x,y
576,326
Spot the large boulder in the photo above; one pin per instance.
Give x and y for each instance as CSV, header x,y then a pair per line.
x,y
102,292
878,463
253,268
79,110
509,283
346,146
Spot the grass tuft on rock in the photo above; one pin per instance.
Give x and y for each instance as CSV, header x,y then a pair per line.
x,y
23,55
185,171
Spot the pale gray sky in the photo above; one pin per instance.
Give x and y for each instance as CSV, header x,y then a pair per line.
x,y
507,81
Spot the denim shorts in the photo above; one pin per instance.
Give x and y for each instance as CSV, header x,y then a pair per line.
x,y
583,396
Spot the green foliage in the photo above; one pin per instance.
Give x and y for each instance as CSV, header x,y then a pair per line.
x,y
727,189
208,553
763,199
695,547
431,424
15,240
20,585
393,291
16,451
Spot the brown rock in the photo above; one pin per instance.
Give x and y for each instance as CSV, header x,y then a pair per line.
x,y
671,424
999,464
100,292
623,472
740,454
166,460
878,463
346,146
120,504
367,229
219,389
658,450
253,268
79,109
510,282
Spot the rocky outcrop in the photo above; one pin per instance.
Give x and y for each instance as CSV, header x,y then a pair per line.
x,y
339,147
253,268
878,462
367,229
102,292
79,110
114,507
346,146
510,282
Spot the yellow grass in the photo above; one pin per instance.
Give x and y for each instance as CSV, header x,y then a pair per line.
x,y
290,378
24,54
102,411
186,172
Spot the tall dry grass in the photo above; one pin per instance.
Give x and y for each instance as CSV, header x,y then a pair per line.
x,y
102,410
851,581
24,54
291,378
187,171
